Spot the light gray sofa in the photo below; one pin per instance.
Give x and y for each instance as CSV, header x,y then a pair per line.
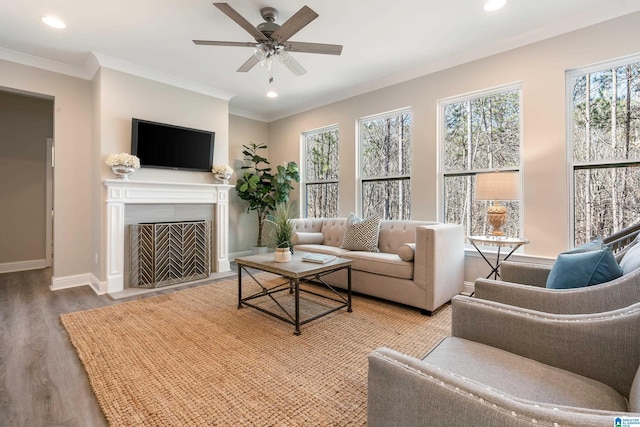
x,y
427,276
508,366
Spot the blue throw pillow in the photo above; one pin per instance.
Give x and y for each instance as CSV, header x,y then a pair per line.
x,y
586,265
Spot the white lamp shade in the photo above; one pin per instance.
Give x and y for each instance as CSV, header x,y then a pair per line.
x,y
498,186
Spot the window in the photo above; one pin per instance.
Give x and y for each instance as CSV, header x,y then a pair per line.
x,y
604,144
479,133
321,173
385,165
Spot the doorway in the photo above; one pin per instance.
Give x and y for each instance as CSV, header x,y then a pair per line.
x,y
26,180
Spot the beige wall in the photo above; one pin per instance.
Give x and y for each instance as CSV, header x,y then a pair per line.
x,y
72,184
124,96
25,124
540,68
243,227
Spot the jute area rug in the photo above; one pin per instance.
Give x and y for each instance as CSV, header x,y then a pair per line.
x,y
192,358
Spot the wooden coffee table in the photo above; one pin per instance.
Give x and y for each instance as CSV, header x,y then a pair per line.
x,y
294,271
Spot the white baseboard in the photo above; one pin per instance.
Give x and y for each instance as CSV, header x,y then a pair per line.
x,y
87,279
34,264
234,255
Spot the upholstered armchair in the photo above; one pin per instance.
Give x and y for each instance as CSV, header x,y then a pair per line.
x,y
507,366
523,285
526,285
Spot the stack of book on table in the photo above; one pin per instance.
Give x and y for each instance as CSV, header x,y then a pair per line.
x,y
318,258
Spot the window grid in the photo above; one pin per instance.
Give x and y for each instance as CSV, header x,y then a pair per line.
x,y
479,132
320,173
603,134
385,165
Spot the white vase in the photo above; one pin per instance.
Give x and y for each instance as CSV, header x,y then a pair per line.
x,y
223,178
282,255
122,172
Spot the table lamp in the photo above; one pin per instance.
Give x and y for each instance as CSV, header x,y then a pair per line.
x,y
496,187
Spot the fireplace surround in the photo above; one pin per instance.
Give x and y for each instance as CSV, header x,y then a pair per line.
x,y
120,193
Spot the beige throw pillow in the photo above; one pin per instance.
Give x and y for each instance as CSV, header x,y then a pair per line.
x,y
406,251
307,238
361,234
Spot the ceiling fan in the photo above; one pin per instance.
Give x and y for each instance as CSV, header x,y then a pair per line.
x,y
272,40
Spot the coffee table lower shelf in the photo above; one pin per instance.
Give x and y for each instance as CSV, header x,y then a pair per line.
x,y
294,273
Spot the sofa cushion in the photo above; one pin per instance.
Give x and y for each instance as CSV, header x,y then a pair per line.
x,y
320,249
303,238
380,263
586,265
522,377
631,260
333,231
361,234
406,252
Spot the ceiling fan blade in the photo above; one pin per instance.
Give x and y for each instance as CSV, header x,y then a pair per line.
x,y
249,64
327,49
219,43
294,24
293,65
239,19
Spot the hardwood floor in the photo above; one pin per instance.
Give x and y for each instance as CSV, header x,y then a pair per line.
x,y
42,382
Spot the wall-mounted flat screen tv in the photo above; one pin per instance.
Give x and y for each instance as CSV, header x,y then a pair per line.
x,y
160,145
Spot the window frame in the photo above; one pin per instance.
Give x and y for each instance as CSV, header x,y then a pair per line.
x,y
442,174
572,165
304,208
360,161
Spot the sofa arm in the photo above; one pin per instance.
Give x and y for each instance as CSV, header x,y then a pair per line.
x,y
405,391
438,266
525,273
608,296
602,346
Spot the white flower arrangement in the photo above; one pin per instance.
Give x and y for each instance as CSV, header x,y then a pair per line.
x,y
123,159
222,169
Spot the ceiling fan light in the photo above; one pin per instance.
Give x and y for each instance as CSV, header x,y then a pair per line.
x,y
260,52
493,5
283,56
267,62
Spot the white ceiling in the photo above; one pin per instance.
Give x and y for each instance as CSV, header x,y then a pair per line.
x,y
385,42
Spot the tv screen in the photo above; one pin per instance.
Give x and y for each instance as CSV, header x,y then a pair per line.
x,y
160,145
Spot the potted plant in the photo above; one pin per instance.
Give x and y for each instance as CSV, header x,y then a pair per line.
x,y
260,187
281,232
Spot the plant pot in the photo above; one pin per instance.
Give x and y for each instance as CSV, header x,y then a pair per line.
x,y
122,172
282,255
222,178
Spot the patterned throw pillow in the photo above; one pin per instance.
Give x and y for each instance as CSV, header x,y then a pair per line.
x,y
362,234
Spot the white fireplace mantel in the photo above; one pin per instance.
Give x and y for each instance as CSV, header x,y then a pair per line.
x,y
122,192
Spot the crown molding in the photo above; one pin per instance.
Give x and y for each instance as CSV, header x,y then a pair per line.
x,y
97,60
248,114
44,64
158,76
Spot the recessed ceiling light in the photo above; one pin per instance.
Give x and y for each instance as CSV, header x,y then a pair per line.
x,y
272,94
493,5
54,22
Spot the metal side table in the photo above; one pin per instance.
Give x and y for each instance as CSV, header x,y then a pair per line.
x,y
510,242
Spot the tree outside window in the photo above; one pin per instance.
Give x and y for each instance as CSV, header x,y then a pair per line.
x,y
385,165
321,173
604,130
480,133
